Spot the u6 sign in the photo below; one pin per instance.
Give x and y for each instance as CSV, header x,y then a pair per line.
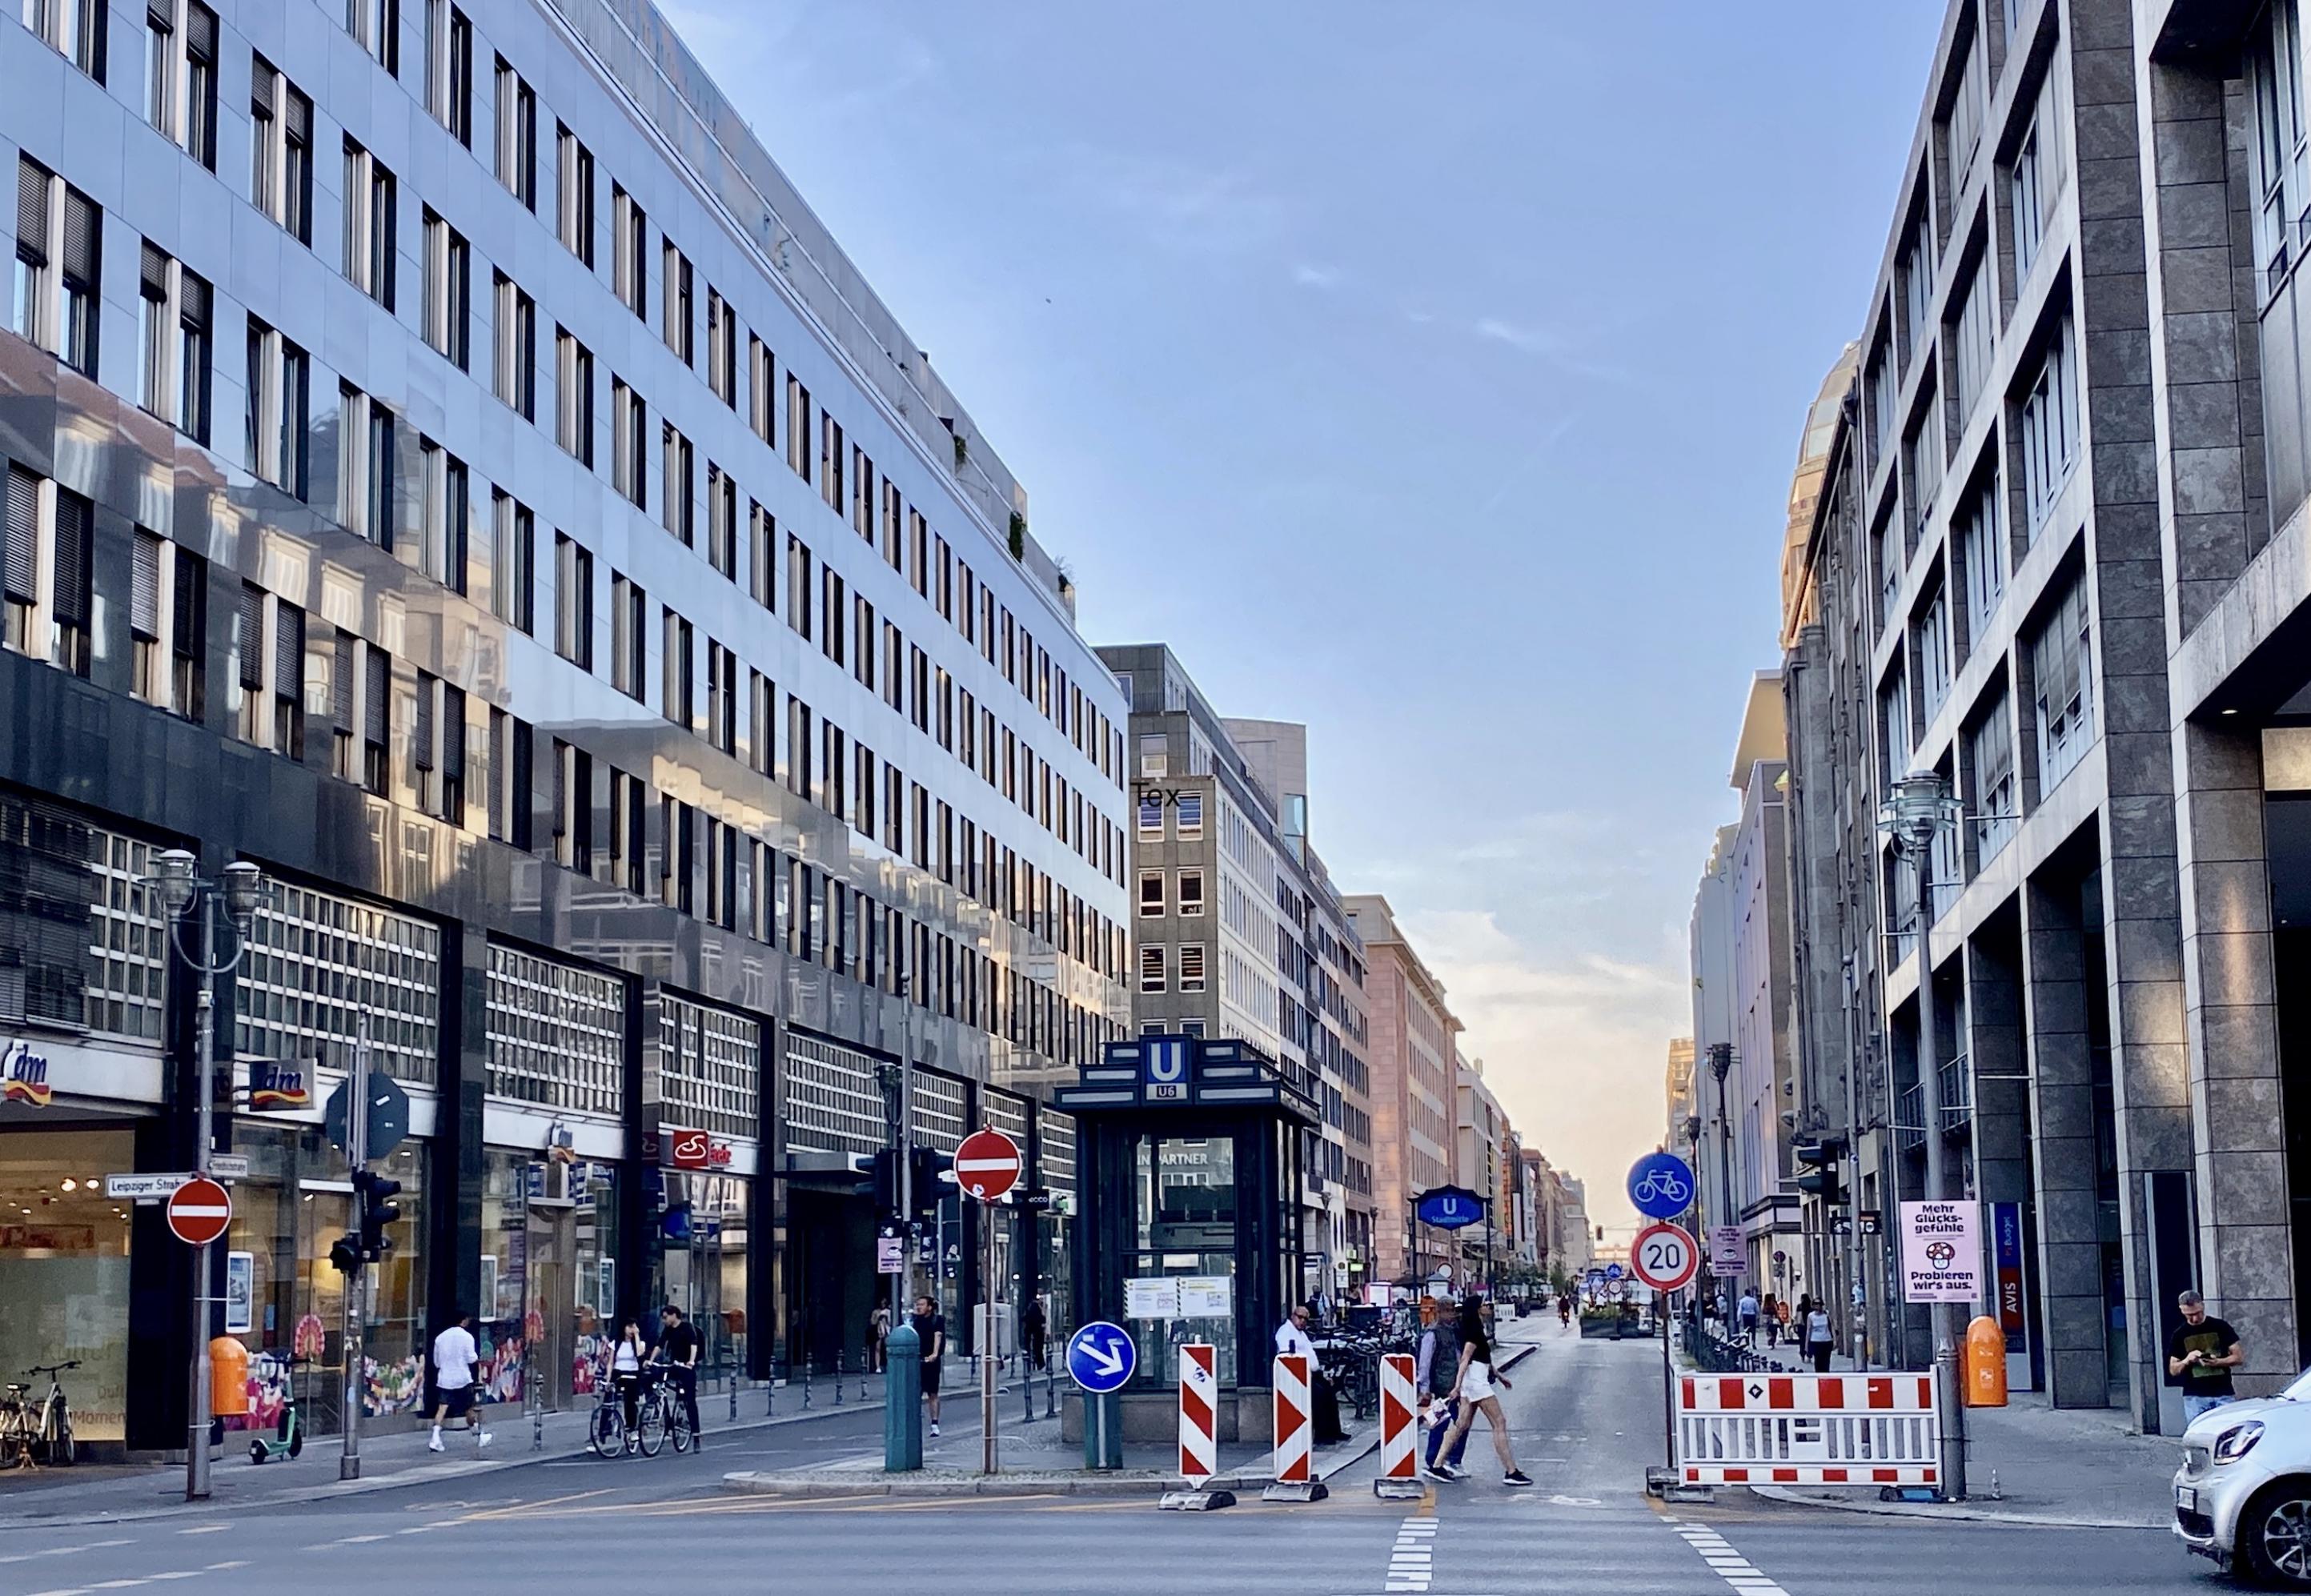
x,y
1664,1257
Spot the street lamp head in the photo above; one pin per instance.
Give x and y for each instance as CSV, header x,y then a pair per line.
x,y
244,890
1721,1060
1918,806
173,875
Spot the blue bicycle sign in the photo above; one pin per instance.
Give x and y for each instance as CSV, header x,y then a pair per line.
x,y
1661,1185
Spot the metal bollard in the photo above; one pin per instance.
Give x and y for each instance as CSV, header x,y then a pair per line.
x,y
864,1359
806,1382
1027,1390
1051,1394
734,1398
837,1380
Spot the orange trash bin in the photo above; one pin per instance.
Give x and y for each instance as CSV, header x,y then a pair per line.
x,y
1985,1364
228,1378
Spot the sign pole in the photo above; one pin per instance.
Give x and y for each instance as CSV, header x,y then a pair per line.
x,y
987,1347
349,1465
199,1402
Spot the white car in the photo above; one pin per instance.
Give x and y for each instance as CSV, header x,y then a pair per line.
x,y
2243,1494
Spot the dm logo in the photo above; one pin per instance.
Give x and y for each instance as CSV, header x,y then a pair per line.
x,y
274,1084
25,1076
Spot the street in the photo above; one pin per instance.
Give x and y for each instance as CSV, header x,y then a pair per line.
x,y
1586,1421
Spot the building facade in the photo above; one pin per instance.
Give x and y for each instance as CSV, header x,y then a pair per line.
x,y
1412,1059
448,467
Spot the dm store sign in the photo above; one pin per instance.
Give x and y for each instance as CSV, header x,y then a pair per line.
x,y
23,1075
1941,1253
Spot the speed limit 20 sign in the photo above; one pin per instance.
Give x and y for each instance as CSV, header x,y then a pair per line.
x,y
1664,1257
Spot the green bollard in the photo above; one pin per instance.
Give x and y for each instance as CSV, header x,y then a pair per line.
x,y
903,1405
1103,1430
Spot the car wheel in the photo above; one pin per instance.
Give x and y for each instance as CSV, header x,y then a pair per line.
x,y
2274,1536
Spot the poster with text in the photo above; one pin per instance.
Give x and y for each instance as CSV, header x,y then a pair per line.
x,y
1941,1253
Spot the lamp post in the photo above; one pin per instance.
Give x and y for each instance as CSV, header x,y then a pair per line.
x,y
1721,1065
1920,806
185,896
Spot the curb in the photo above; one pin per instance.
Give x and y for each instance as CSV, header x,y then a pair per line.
x,y
753,1483
1952,1512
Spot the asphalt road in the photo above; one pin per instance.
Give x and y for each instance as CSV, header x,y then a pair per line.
x,y
1587,1419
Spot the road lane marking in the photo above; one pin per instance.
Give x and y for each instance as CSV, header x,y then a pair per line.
x,y
65,1551
519,1509
1411,1561
206,1529
1727,1563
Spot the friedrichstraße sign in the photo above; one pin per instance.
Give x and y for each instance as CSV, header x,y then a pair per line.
x,y
1941,1253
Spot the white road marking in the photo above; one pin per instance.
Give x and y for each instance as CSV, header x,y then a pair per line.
x,y
1411,1561
236,1563
1728,1564
358,1540
206,1529
64,1551
72,1591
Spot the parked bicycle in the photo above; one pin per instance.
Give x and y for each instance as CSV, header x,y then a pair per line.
x,y
37,1432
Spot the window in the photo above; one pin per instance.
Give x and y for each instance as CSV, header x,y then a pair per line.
x,y
679,509
189,635
200,84
1933,638
629,424
514,368
799,588
721,522
797,427
56,298
1894,727
1922,463
255,715
75,27
1982,552
677,290
1155,754
721,350
376,26
517,151
279,398
174,363
574,194
1962,132
722,705
1990,759
2050,433
1190,806
573,397
146,556
1191,892
448,290
365,489
70,522
2282,185
288,680
1191,967
1151,969
629,241
514,563
1970,340
573,601
445,527
376,718
449,69
281,151
1891,552
2063,694
2039,170
676,702
1151,893
761,370
1917,273
1151,813
180,74
761,561
629,615
370,223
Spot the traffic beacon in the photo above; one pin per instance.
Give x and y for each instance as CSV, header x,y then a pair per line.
x,y
1188,1168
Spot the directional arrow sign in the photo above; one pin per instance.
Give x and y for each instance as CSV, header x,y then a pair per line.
x,y
1101,1357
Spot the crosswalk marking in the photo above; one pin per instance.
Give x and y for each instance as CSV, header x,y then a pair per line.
x,y
1727,1563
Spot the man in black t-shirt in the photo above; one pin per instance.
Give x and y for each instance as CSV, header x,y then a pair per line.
x,y
929,1326
681,1344
2201,1354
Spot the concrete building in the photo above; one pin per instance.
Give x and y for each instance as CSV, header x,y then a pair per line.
x,y
1676,1095
1482,1141
1413,1064
449,467
1240,932
1576,1242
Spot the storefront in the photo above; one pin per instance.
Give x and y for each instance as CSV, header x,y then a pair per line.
x,y
64,1267
702,1089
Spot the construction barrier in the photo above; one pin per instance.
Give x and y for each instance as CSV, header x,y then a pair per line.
x,y
1398,1428
1199,1390
1296,1430
1808,1429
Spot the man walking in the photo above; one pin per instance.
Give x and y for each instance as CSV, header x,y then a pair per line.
x,y
1747,1317
1033,1330
1437,1378
929,1326
2201,1354
454,1358
681,1344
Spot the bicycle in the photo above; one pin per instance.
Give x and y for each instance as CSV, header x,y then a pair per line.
x,y
606,1434
36,1432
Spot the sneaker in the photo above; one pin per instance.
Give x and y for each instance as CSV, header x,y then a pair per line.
x,y
1516,1477
435,1444
485,1438
1440,1472
934,1429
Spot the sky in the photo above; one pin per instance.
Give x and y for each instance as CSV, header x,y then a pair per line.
x,y
1430,374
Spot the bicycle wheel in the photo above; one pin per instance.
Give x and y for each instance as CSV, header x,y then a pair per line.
x,y
606,1434
653,1430
61,1447
677,1425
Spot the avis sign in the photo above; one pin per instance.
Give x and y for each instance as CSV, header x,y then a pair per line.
x,y
1941,1253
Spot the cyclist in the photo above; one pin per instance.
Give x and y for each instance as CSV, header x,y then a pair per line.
x,y
1564,1307
681,1346
628,1353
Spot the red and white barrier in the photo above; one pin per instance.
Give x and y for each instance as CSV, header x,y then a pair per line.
x,y
1808,1429
1199,1390
1399,1427
1295,1429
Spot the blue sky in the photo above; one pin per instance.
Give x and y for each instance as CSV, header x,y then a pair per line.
x,y
1430,374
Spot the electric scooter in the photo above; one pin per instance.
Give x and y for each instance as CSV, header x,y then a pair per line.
x,y
288,1438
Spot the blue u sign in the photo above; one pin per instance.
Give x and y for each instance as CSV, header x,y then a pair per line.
x,y
1165,1069
1101,1356
1661,1185
1449,1208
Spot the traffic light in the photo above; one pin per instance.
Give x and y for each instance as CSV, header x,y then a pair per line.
x,y
345,1255
885,1166
1818,1170
925,1166
373,1210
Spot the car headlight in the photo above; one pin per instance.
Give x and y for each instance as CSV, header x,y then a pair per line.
x,y
2237,1442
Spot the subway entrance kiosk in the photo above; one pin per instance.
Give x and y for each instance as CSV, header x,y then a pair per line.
x,y
1189,1168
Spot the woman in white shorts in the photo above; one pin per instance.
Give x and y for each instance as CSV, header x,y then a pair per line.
x,y
1480,1384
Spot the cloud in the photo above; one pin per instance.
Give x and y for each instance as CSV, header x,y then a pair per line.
x,y
1532,340
1175,204
1315,276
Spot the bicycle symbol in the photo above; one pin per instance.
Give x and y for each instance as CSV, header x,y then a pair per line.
x,y
1662,1184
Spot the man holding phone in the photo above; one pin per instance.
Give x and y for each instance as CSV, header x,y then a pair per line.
x,y
2201,1352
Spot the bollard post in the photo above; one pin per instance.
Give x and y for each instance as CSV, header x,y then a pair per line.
x,y
903,1407
838,1378
1027,1390
1051,1394
734,1396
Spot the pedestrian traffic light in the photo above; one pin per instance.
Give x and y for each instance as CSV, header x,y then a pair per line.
x,y
374,1210
885,1166
1818,1171
345,1255
925,1166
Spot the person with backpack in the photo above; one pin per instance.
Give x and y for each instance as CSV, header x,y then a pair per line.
x,y
1437,1378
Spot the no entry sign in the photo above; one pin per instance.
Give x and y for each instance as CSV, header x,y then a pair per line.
x,y
199,1210
987,1164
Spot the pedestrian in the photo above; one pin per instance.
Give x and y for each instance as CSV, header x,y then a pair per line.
x,y
682,1347
454,1358
1772,1316
1479,1386
878,1335
2201,1354
1034,1331
1745,1317
1292,1336
1438,1379
628,1353
1820,1337
929,1326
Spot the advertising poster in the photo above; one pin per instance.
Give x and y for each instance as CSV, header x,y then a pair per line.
x,y
239,1292
1941,1253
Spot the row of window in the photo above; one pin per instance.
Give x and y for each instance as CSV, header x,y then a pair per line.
x,y
1156,963
1182,891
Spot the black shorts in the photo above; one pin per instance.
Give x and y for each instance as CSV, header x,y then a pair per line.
x,y
458,1399
931,1377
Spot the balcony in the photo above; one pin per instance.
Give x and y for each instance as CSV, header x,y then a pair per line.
x,y
1957,1105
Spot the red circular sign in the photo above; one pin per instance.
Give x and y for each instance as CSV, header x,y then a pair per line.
x,y
987,1164
199,1210
1664,1257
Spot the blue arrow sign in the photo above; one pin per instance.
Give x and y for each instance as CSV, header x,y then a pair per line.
x,y
1661,1185
1612,1271
1449,1208
1101,1357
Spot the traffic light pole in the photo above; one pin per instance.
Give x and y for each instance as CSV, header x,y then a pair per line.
x,y
197,1420
349,1465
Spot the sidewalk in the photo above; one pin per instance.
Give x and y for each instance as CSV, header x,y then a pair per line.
x,y
2029,1462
